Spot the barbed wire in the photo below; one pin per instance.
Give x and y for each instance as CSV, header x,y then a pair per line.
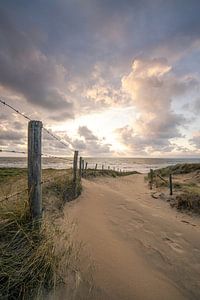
x,y
12,151
13,195
43,155
57,138
52,179
66,144
57,157
26,189
16,110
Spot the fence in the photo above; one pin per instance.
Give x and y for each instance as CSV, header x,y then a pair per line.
x,y
153,175
34,154
34,167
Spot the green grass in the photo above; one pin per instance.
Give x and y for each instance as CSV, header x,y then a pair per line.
x,y
9,173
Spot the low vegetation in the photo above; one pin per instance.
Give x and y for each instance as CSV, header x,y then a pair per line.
x,y
31,260
186,185
10,173
179,169
91,173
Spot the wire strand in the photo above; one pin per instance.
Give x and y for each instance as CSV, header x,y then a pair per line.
x,y
13,195
25,190
16,110
44,155
66,144
12,151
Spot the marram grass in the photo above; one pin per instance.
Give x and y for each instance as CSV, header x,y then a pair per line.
x,y
31,260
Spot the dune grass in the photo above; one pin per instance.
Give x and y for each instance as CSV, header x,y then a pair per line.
x,y
179,169
91,173
31,260
186,189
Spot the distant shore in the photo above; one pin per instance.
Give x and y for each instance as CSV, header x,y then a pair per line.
x,y
142,165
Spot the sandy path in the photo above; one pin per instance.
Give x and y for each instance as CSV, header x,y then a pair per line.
x,y
141,247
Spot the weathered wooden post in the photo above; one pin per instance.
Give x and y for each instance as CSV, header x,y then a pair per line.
x,y
170,184
80,167
75,166
96,167
102,167
85,171
34,169
108,167
156,180
151,179
83,164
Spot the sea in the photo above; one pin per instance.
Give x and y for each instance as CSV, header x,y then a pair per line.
x,y
142,165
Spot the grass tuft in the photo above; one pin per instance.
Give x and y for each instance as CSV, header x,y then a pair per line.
x,y
34,260
91,173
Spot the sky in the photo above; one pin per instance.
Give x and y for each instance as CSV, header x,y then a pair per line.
x,y
111,78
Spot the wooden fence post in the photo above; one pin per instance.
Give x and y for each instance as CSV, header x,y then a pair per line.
x,y
80,167
85,171
156,180
34,169
151,179
170,184
83,164
75,166
102,167
96,167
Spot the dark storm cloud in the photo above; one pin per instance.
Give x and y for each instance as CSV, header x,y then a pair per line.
x,y
79,33
28,71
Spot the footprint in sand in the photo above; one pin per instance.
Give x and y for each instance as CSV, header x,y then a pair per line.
x,y
178,234
173,245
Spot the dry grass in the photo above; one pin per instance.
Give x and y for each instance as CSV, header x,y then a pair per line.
x,y
186,186
34,260
189,201
91,173
179,169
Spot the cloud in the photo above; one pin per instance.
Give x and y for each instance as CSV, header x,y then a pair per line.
x,y
153,87
196,107
28,71
12,134
90,144
67,58
195,140
87,134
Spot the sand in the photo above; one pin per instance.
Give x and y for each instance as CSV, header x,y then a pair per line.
x,y
141,247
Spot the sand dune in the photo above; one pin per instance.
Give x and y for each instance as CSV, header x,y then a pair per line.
x,y
142,249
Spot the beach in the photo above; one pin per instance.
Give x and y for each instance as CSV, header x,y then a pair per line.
x,y
142,165
130,241
140,246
